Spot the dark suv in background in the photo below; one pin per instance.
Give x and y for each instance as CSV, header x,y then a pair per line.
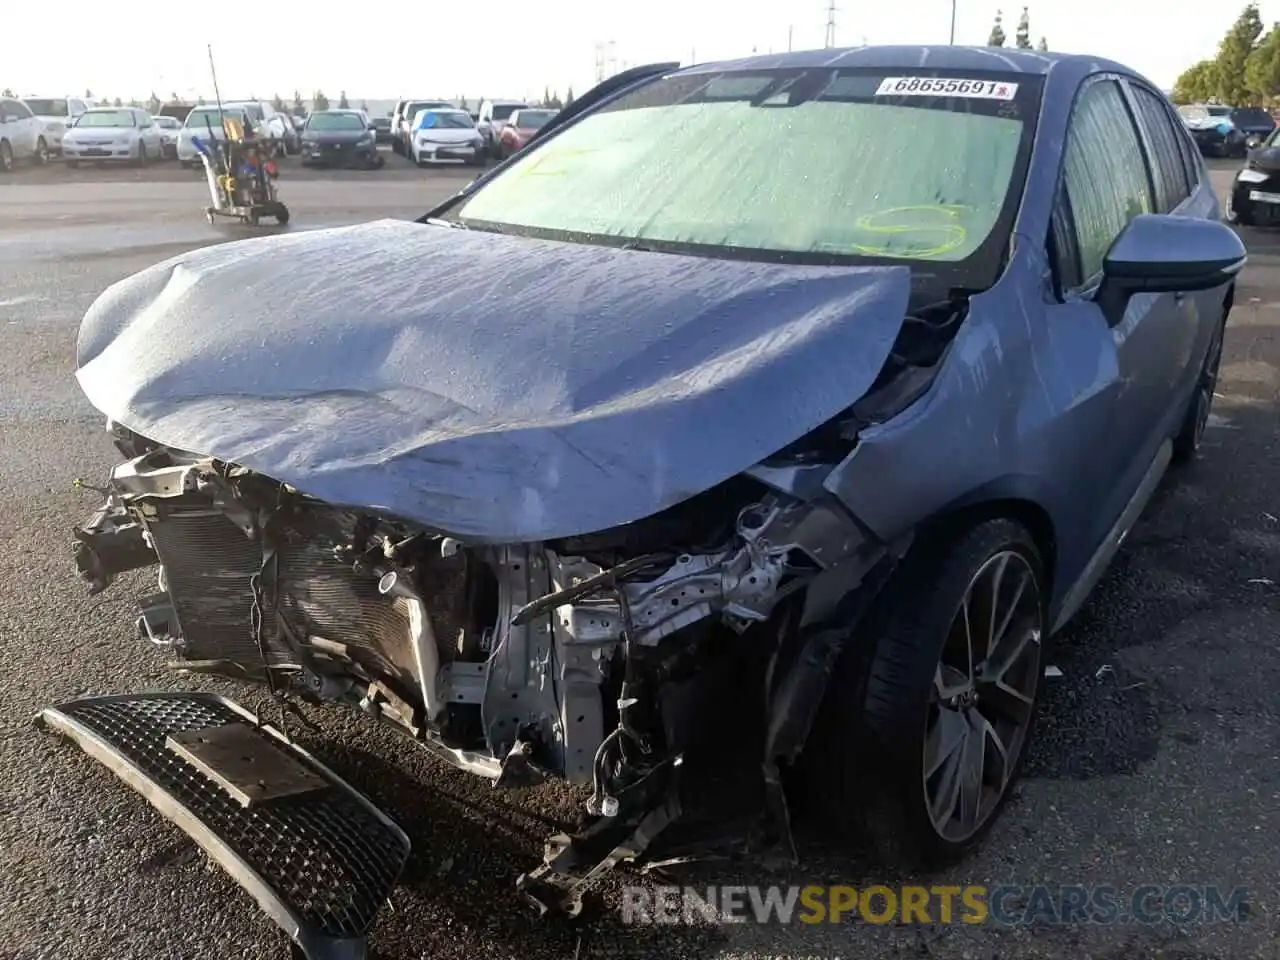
x,y
1255,123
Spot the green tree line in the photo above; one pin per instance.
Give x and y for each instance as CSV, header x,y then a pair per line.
x,y
1244,73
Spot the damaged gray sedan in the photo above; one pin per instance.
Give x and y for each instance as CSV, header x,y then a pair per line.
x,y
742,441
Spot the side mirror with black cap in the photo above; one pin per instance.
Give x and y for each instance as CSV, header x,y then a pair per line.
x,y
1162,253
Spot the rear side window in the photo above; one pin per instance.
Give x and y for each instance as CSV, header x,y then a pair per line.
x,y
1167,166
1104,173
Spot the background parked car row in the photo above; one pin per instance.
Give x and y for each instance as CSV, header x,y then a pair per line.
x,y
36,129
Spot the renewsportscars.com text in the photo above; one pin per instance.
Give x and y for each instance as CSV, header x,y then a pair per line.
x,y
1006,905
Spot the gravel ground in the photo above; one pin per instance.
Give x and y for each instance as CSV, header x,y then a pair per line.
x,y
1156,761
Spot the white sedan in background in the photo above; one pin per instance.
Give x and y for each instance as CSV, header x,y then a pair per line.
x,y
19,135
445,134
55,114
113,133
170,128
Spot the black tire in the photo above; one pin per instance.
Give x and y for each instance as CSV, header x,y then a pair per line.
x,y
42,152
282,215
1186,443
1230,214
142,154
865,771
6,157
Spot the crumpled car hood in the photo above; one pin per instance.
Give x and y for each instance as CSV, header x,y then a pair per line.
x,y
497,388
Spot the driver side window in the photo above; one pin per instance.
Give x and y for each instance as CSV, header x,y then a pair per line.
x,y
1105,176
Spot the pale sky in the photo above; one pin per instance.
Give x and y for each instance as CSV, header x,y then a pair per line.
x,y
505,48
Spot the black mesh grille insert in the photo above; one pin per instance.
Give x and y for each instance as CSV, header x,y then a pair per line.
x,y
325,854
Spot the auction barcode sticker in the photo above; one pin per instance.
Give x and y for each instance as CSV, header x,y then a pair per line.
x,y
946,87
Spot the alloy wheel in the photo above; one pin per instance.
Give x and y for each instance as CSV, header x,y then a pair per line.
x,y
42,152
1208,385
983,696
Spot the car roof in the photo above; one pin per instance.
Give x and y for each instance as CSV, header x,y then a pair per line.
x,y
941,56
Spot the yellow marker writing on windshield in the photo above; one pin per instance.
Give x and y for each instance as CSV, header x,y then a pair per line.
x,y
953,234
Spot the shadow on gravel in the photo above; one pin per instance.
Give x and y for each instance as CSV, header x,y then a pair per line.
x,y
1197,560
467,854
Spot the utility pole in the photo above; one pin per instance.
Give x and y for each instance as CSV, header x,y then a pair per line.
x,y
953,22
830,40
789,30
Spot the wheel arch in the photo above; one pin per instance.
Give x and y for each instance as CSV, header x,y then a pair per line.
x,y
1011,499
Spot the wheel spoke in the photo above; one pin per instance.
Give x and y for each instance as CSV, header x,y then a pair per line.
x,y
948,682
997,577
997,669
1024,577
1008,701
972,765
998,758
945,739
946,796
967,616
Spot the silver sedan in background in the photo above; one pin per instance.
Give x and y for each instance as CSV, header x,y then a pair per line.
x,y
170,128
113,134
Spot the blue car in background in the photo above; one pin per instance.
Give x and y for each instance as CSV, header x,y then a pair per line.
x,y
736,448
1215,129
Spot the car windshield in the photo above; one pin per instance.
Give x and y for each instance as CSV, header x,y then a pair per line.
x,y
335,121
534,119
382,123
48,108
208,117
107,118
503,111
254,110
443,119
827,166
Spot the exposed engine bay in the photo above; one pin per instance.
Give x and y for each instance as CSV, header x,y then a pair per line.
x,y
579,659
